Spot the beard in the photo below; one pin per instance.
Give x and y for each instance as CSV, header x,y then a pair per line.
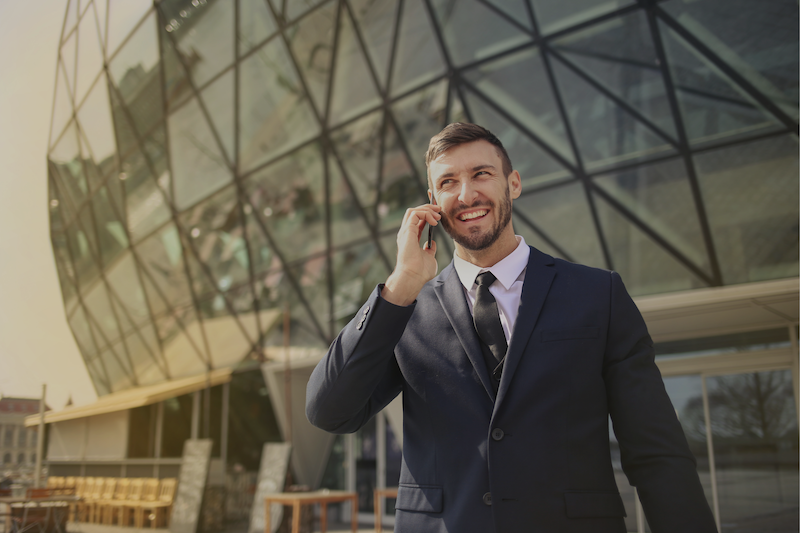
x,y
475,239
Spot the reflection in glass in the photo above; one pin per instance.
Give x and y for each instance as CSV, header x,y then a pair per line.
x,y
555,16
311,40
754,424
418,58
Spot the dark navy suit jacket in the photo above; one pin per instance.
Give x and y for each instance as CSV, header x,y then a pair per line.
x,y
534,457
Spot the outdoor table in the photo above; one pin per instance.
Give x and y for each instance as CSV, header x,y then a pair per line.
x,y
322,497
56,507
381,493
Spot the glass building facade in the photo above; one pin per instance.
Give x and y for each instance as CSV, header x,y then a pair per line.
x,y
215,165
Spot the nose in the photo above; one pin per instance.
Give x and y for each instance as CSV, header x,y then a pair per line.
x,y
467,194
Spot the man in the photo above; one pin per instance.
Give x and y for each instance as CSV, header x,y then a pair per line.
x,y
507,385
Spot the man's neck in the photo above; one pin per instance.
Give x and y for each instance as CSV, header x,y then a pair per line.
x,y
492,255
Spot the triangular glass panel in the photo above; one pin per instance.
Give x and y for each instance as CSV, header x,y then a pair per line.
x,y
214,228
177,87
535,166
62,106
400,186
90,55
713,107
295,8
288,207
420,116
261,254
519,85
255,24
98,377
306,333
123,16
56,210
181,355
182,336
645,267
556,16
457,111
203,34
515,9
232,337
162,257
126,136
349,99
113,240
95,120
198,166
620,56
119,375
218,100
274,114
66,159
93,177
83,256
135,72
101,8
149,364
606,134
358,146
155,299
141,351
145,195
356,272
98,307
204,284
767,58
376,21
534,237
472,31
311,41
123,280
661,195
66,274
79,325
71,17
563,213
312,277
68,54
347,217
417,59
750,192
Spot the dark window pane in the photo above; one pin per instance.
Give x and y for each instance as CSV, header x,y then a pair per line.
x,y
751,196
141,431
177,425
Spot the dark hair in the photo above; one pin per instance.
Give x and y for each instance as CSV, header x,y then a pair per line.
x,y
459,133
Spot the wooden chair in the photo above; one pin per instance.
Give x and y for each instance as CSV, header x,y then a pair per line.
x,y
107,494
80,484
93,491
158,511
107,508
149,496
125,508
69,485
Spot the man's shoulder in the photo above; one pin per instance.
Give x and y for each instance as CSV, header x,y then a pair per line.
x,y
564,267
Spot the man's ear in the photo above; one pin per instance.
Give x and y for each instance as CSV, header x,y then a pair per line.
x,y
514,184
430,196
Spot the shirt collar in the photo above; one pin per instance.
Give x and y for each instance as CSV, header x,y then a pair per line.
x,y
507,270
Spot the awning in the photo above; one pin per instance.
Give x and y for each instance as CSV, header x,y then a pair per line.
x,y
137,397
721,310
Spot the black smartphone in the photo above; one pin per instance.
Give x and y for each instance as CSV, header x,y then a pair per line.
x,y
430,228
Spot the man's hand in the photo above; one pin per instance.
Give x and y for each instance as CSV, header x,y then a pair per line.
x,y
415,265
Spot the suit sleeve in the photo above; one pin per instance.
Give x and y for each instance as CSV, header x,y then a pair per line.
x,y
359,375
655,454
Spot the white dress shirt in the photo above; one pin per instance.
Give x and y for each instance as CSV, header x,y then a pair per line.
x,y
507,290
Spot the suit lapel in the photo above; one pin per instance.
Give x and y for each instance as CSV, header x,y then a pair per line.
x,y
538,280
450,292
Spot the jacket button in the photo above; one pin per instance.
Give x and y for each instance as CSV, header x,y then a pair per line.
x,y
487,498
497,434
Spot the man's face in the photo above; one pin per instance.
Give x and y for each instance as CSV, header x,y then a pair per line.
x,y
468,183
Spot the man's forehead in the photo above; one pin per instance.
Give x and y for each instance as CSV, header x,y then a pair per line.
x,y
469,155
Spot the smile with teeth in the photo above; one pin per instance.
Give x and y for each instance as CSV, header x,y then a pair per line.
x,y
473,214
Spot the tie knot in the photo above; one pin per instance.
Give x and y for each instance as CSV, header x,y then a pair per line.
x,y
485,279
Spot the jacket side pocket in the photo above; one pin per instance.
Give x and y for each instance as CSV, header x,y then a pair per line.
x,y
419,498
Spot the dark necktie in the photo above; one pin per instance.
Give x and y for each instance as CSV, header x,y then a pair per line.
x,y
487,318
